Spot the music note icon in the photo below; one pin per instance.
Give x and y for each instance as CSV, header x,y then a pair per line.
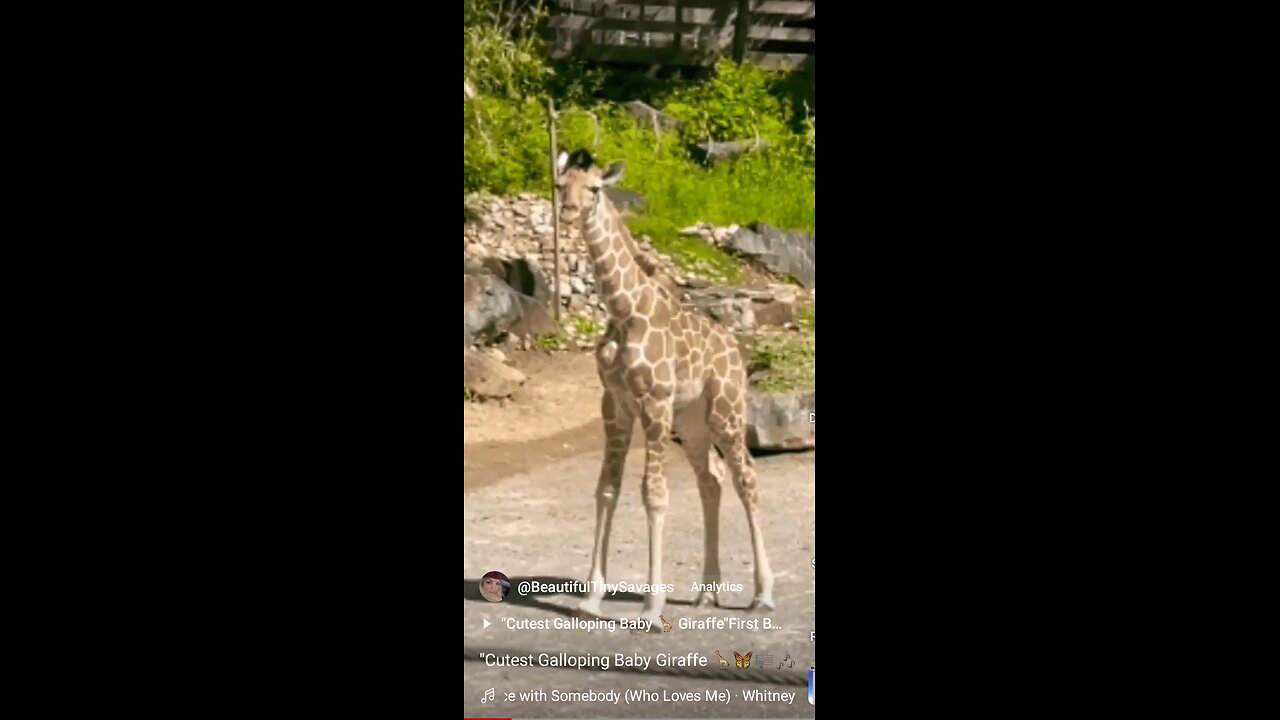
x,y
488,695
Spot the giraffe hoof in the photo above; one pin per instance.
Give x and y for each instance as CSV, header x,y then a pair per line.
x,y
654,624
706,600
761,605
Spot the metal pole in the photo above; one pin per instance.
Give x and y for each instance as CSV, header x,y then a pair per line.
x,y
555,207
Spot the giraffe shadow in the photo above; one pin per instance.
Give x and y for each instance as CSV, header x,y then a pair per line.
x,y
471,592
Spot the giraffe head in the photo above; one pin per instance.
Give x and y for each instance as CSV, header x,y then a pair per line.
x,y
580,182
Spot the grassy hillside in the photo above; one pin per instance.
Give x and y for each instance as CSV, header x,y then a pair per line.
x,y
506,146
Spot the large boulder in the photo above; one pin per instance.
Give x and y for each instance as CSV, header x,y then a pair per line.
x,y
626,200
534,320
527,277
792,253
743,309
489,305
735,313
781,420
486,377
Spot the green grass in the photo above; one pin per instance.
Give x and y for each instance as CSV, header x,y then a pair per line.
x,y
551,342
807,318
776,186
585,326
784,363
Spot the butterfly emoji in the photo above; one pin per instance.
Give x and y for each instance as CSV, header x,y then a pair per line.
x,y
743,661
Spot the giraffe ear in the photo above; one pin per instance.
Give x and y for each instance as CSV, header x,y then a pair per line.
x,y
614,174
562,162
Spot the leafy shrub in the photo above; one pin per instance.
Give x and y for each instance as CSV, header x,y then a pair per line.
x,y
735,104
501,49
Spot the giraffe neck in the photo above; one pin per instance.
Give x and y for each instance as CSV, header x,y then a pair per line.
x,y
618,275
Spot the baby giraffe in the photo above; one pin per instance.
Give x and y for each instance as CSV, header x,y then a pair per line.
x,y
671,370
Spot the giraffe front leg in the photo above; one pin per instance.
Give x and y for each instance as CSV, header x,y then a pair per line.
x,y
618,424
657,419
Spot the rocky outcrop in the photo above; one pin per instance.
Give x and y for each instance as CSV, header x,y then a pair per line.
x,y
510,240
487,377
489,305
516,234
781,420
787,252
744,309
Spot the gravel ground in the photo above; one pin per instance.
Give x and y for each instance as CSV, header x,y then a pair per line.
x,y
538,525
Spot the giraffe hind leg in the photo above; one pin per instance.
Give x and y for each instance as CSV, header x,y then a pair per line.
x,y
709,468
727,421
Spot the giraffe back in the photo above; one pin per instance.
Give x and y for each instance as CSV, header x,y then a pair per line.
x,y
663,347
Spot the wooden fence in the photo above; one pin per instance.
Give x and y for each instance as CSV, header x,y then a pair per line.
x,y
684,32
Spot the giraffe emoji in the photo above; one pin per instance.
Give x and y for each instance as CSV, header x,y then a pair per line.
x,y
723,663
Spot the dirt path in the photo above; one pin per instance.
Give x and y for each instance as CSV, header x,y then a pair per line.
x,y
556,415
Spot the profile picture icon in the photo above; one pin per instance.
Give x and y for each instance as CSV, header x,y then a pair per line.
x,y
494,586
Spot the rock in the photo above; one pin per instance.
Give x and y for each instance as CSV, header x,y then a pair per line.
x,y
712,152
780,421
577,285
774,312
742,309
489,305
626,200
650,117
534,320
516,227
527,278
487,377
495,266
720,236
733,312
791,253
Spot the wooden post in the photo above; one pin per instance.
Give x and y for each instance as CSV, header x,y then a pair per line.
x,y
679,34
742,26
555,208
